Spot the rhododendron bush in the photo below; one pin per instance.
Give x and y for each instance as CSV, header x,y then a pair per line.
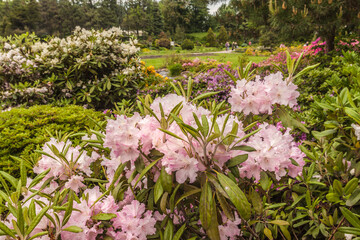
x,y
175,170
88,67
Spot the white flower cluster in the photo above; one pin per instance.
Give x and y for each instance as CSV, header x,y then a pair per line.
x,y
14,62
23,92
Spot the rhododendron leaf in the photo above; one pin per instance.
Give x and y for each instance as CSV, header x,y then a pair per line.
x,y
69,208
7,230
172,198
256,201
4,185
278,68
179,233
172,134
158,190
225,206
237,160
354,198
212,137
204,95
13,181
117,174
250,126
279,222
20,219
352,219
205,125
236,196
163,202
289,63
36,220
217,185
337,186
205,206
104,216
230,75
268,233
95,180
169,230
176,89
197,121
248,135
325,133
166,180
244,148
189,89
306,70
40,189
350,230
325,106
187,194
74,229
38,235
145,171
353,114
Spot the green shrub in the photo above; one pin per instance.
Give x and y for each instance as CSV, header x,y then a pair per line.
x,y
187,45
23,130
175,69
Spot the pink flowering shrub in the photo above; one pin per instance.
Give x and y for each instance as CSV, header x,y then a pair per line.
x,y
259,96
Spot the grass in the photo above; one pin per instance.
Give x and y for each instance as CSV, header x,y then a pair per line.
x,y
225,57
178,50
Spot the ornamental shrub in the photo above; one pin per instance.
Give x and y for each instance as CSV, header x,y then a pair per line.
x,y
89,67
211,39
175,69
187,45
22,130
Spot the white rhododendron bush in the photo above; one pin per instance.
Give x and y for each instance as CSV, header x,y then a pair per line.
x,y
88,67
177,169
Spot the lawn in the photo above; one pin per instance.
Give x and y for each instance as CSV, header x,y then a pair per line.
x,y
178,50
224,57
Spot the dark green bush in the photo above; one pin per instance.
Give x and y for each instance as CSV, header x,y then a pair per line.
x,y
187,45
23,130
175,69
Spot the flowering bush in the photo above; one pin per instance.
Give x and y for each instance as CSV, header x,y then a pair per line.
x,y
89,67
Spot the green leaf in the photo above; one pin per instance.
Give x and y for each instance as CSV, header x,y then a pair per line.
x,y
179,233
74,229
325,133
256,201
350,230
305,70
13,181
36,220
205,125
244,148
352,219
353,114
158,191
169,230
166,180
268,233
7,230
205,206
338,187
237,160
279,222
225,206
171,134
103,216
354,198
145,171
236,196
38,235
351,186
204,95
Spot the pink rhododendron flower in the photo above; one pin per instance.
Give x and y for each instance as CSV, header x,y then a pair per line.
x,y
75,183
134,222
274,151
230,229
258,96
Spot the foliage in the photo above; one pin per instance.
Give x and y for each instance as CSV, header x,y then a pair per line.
x,y
175,69
211,38
222,36
187,45
163,41
23,130
89,67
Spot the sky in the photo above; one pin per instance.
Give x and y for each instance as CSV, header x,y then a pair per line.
x,y
213,8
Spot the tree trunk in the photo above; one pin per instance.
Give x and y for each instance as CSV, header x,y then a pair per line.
x,y
330,40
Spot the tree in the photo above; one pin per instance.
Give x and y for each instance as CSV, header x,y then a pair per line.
x,y
223,35
179,34
327,17
211,38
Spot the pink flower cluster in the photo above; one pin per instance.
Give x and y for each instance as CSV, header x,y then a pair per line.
x,y
258,96
67,167
274,151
